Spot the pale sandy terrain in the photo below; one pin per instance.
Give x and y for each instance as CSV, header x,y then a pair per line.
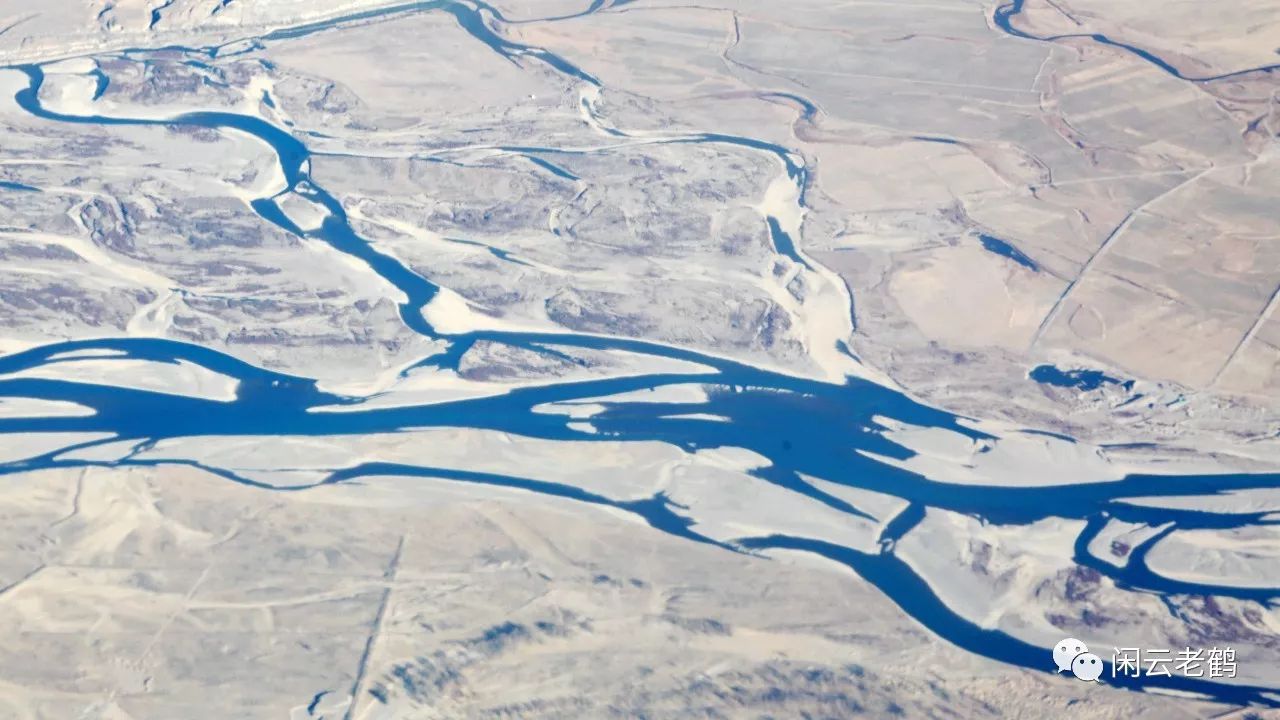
x,y
138,594
544,197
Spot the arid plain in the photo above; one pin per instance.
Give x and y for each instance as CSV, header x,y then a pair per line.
x,y
571,359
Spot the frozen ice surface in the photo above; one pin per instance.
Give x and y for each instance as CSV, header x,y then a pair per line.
x,y
636,358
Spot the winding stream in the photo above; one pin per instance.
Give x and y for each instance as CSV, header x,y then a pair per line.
x,y
1005,15
803,427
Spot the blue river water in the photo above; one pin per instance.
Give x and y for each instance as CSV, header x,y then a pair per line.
x,y
1005,15
803,427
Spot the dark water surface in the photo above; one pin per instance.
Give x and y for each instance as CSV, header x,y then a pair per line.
x,y
803,427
